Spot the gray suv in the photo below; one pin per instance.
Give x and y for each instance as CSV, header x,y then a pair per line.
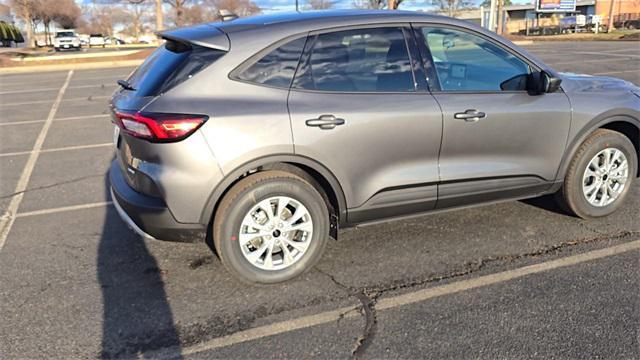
x,y
264,135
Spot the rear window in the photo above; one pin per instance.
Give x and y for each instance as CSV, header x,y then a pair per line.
x,y
171,64
65,34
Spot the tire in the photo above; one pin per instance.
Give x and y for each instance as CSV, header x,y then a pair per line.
x,y
573,194
242,200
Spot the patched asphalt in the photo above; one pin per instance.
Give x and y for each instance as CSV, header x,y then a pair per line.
x,y
78,284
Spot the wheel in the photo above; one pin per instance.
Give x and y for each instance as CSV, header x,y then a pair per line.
x,y
271,227
599,175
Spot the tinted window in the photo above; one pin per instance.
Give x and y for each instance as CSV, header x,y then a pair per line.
x,y
277,67
357,60
466,62
171,64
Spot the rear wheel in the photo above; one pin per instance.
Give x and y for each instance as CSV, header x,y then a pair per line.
x,y
599,175
271,227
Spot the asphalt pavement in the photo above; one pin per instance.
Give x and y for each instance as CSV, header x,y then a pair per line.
x,y
75,282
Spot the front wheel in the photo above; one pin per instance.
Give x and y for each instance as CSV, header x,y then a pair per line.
x,y
599,175
271,227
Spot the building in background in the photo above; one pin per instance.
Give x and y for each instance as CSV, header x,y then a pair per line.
x,y
566,16
623,10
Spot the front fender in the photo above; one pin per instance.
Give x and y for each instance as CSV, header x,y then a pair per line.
x,y
596,123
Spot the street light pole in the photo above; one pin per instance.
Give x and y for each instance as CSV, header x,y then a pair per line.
x,y
492,16
159,16
500,17
610,25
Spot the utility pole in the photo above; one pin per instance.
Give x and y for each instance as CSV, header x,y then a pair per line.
x,y
500,17
492,16
159,16
610,25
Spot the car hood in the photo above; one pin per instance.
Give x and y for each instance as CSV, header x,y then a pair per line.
x,y
572,83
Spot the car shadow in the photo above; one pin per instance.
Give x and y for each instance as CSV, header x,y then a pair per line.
x,y
133,295
546,202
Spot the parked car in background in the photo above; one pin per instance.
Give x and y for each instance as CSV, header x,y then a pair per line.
x,y
96,40
109,40
266,134
66,40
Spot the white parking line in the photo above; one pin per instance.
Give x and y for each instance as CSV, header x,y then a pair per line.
x,y
595,53
98,116
25,91
63,209
7,220
402,300
66,148
84,98
582,61
617,72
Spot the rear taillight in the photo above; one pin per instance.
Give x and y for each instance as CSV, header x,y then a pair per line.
x,y
158,127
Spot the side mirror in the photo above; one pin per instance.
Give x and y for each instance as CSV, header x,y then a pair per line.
x,y
551,83
542,82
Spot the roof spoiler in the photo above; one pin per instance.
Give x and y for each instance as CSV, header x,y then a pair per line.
x,y
205,35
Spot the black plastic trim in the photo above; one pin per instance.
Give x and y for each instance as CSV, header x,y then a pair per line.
x,y
151,214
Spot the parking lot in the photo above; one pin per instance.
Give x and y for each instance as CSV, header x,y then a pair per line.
x,y
513,280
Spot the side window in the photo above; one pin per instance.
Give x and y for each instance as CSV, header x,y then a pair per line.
x,y
275,68
363,60
466,62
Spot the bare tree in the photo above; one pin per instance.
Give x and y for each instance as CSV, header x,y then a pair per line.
x,y
179,8
66,14
198,13
238,7
451,7
25,9
319,4
138,16
369,4
377,4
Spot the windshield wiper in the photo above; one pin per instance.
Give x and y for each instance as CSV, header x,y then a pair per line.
x,y
125,85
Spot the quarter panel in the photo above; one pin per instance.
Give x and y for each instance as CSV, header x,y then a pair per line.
x,y
246,121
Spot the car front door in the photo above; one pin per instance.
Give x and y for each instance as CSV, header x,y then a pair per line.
x,y
499,141
355,108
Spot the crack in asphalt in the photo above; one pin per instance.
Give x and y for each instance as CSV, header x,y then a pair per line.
x,y
368,301
217,326
367,310
475,266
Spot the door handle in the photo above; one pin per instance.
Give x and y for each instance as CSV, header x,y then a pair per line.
x,y
470,115
325,122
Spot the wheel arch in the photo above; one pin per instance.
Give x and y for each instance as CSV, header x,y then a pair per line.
x,y
321,177
625,124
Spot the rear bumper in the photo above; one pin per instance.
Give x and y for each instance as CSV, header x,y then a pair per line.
x,y
148,216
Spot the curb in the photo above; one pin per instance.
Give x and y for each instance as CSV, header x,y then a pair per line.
x,y
76,66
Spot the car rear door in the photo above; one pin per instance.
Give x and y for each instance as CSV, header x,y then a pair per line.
x,y
498,141
355,108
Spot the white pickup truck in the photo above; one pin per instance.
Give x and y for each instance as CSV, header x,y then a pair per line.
x,y
66,40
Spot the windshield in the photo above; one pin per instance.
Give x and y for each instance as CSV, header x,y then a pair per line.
x,y
65,34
